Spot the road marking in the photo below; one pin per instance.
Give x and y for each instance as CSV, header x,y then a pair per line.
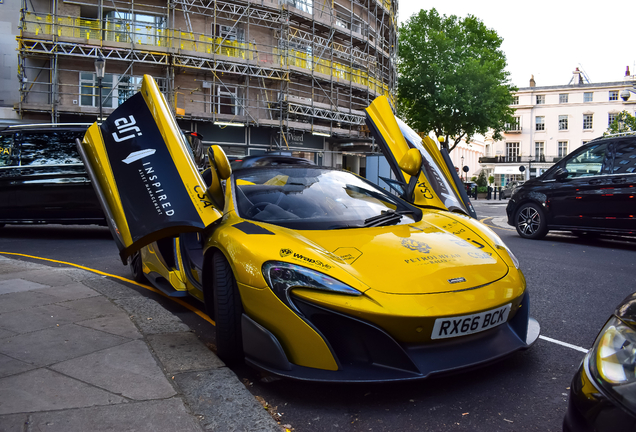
x,y
565,344
494,225
144,286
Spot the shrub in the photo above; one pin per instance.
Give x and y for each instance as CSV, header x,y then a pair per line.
x,y
481,180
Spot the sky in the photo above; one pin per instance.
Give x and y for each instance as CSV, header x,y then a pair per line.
x,y
549,39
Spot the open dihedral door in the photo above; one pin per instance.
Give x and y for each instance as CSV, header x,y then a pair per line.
x,y
142,172
437,184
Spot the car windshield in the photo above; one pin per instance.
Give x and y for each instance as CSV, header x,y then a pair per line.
x,y
316,198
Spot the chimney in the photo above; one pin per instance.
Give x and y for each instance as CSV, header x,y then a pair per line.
x,y
627,72
532,83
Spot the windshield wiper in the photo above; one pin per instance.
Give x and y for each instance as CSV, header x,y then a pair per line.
x,y
387,217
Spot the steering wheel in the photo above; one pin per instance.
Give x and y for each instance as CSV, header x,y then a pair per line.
x,y
260,206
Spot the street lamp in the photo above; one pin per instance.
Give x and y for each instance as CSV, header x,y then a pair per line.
x,y
100,66
462,163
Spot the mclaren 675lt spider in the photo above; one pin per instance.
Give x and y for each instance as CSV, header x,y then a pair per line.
x,y
310,272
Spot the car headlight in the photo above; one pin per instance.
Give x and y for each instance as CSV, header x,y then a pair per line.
x,y
283,277
612,360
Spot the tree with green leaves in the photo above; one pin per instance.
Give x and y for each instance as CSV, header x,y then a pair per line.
x,y
623,122
452,78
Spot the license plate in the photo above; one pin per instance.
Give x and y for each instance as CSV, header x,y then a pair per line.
x,y
469,324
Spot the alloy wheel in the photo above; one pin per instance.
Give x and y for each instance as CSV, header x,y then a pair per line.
x,y
529,220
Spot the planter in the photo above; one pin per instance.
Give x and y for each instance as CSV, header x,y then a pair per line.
x,y
482,195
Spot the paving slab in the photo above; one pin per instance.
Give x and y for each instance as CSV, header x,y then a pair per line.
x,y
96,307
48,276
117,324
72,291
46,347
154,416
18,285
183,352
45,390
128,370
17,301
41,317
10,366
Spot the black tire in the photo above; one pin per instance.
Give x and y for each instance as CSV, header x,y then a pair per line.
x,y
136,268
530,222
227,311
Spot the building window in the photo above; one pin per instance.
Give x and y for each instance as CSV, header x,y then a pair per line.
x,y
588,97
135,27
563,98
588,121
539,123
613,95
563,122
515,125
611,117
89,90
227,101
515,100
303,5
116,89
562,149
540,99
512,152
539,151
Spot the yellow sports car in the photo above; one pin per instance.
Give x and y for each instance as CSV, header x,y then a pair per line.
x,y
310,272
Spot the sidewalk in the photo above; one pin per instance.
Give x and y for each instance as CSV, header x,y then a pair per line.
x,y
80,352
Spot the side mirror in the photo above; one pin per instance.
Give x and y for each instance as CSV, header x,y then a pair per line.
x,y
561,174
219,160
411,162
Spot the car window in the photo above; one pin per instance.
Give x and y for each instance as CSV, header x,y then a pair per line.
x,y
625,158
49,148
7,151
588,161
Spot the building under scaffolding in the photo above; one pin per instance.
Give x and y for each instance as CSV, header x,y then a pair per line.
x,y
252,75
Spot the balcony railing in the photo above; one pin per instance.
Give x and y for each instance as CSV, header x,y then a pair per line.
x,y
520,159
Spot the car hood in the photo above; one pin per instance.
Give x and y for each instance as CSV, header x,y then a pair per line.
x,y
441,253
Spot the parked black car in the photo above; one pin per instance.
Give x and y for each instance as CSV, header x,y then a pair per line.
x,y
592,190
42,178
509,189
603,391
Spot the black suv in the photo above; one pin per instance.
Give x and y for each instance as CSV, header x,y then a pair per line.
x,y
42,178
592,190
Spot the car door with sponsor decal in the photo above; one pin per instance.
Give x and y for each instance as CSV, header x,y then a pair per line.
x,y
145,179
437,184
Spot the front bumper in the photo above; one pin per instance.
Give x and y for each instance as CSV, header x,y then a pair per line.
x,y
366,353
591,410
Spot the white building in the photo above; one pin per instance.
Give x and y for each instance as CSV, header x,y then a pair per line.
x,y
468,154
553,121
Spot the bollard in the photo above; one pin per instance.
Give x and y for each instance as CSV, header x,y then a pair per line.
x,y
499,193
489,193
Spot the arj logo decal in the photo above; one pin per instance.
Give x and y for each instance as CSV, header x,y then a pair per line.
x,y
125,125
